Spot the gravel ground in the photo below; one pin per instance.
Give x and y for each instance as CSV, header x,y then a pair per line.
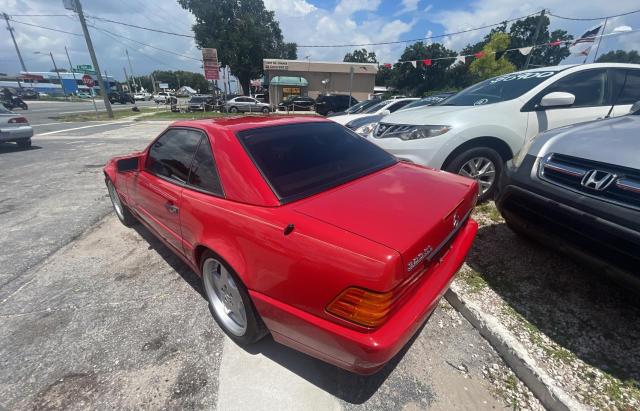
x,y
579,326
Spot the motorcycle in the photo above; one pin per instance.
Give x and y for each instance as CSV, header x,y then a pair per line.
x,y
14,102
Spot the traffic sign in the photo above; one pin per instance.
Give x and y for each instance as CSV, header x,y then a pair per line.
x,y
87,80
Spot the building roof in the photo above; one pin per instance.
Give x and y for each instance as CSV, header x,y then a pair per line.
x,y
319,66
289,81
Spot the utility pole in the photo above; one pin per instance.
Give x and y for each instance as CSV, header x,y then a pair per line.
x,y
94,60
58,73
127,78
535,39
133,78
350,83
6,18
73,73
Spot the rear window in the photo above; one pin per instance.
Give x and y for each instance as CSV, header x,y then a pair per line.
x,y
299,160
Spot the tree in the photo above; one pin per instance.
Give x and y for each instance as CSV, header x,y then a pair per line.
x,y
360,56
243,32
487,66
522,34
620,56
384,76
422,78
176,79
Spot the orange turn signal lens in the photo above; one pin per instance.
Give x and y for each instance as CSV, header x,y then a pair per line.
x,y
362,307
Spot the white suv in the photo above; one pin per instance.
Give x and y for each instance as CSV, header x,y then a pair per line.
x,y
475,131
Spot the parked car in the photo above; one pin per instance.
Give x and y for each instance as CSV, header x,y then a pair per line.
x,y
577,190
301,229
121,97
81,94
327,105
162,97
245,104
201,103
474,132
142,96
429,100
15,128
28,94
297,103
356,108
384,107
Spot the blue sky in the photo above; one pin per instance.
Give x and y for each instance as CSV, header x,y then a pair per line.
x,y
302,21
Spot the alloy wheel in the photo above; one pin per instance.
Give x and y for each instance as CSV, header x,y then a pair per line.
x,y
482,169
224,296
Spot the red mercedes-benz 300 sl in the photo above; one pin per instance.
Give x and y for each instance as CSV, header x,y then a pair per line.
x,y
301,229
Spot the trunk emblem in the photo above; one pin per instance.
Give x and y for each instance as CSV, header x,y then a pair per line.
x,y
419,258
456,219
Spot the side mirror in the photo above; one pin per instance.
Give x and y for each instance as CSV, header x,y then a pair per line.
x,y
635,108
127,164
557,99
385,112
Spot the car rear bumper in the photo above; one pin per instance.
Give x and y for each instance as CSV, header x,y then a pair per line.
x,y
366,352
559,219
16,133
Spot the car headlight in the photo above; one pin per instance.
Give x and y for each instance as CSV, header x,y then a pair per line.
x,y
520,156
365,129
406,132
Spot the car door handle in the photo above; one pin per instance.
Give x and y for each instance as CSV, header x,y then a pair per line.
x,y
172,208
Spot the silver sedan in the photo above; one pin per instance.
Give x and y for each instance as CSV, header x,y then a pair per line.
x,y
15,128
246,104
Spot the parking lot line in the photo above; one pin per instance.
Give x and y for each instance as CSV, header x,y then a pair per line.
x,y
80,128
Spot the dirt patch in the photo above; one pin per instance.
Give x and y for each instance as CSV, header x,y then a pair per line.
x,y
74,390
579,326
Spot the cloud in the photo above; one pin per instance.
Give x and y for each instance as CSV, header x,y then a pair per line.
x,y
408,6
290,8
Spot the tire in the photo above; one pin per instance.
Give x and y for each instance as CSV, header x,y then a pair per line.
x,y
464,164
24,106
122,211
24,144
265,110
229,301
233,109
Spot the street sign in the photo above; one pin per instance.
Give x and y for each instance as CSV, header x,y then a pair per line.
x,y
210,64
163,85
70,5
87,80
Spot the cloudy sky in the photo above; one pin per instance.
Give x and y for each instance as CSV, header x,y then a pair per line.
x,y
306,22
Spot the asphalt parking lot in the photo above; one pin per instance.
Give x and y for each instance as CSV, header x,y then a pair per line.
x,y
100,316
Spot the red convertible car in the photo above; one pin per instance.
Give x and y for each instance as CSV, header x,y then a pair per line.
x,y
302,229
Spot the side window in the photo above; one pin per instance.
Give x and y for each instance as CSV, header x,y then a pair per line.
x,y
631,91
203,170
171,154
590,88
398,105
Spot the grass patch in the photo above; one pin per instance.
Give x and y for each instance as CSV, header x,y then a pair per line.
x,y
102,115
472,278
489,210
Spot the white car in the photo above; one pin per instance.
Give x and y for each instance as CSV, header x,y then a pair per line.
x,y
475,131
15,128
142,96
384,107
246,104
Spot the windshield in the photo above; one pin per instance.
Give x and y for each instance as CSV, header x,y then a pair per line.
x,y
299,160
375,107
357,108
498,89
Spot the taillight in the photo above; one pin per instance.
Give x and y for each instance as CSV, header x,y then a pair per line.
x,y
368,308
14,120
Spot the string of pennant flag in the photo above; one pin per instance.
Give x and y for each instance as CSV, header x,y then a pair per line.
x,y
577,44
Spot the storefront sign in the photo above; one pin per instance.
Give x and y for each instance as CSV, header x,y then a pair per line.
x,y
276,65
291,90
210,63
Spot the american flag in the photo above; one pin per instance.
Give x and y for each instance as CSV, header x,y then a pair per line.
x,y
583,44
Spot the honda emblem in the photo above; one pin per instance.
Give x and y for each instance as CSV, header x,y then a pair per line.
x,y
597,180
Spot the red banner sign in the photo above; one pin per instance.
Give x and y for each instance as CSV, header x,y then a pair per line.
x,y
87,80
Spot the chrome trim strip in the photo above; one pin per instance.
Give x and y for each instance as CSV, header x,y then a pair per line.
x,y
455,231
628,185
568,170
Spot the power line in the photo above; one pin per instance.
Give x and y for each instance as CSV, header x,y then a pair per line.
x,y
40,15
44,27
144,44
421,38
141,27
594,18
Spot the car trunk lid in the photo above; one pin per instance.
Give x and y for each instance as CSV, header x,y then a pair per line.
x,y
411,209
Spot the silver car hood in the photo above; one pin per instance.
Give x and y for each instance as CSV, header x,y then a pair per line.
x,y
612,141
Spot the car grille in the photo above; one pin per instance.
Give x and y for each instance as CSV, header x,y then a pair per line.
x,y
615,184
385,128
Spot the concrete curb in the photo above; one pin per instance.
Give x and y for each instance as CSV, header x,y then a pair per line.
x,y
514,354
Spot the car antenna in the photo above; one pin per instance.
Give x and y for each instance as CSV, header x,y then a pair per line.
x,y
288,229
615,99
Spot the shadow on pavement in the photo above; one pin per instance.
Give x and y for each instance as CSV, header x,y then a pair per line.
x,y
13,148
349,387
582,311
